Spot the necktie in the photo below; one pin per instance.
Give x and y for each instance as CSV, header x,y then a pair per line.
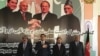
x,y
76,43
23,14
59,45
42,42
24,46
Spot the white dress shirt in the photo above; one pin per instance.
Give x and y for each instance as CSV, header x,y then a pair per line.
x,y
44,15
24,45
59,46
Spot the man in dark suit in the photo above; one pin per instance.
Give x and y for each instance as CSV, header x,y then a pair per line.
x,y
22,16
42,47
76,47
6,17
25,47
20,20
48,20
6,12
59,48
69,22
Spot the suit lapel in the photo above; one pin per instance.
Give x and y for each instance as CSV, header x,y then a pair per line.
x,y
75,44
22,47
78,45
26,47
19,13
40,43
46,17
40,17
58,47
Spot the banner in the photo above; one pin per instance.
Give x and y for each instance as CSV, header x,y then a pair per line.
x,y
57,22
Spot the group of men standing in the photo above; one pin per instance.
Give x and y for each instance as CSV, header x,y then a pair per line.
x,y
46,20
42,47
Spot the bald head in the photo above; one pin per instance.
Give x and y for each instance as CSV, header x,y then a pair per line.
x,y
23,6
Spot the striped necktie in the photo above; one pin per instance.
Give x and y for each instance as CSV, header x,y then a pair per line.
x,y
23,15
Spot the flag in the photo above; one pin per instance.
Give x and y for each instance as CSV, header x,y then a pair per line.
x,y
87,45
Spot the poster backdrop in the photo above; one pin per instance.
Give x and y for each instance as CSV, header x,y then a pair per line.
x,y
13,26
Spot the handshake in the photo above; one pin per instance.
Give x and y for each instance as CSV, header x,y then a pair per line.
x,y
34,24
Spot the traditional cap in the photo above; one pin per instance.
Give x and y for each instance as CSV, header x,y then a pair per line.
x,y
68,2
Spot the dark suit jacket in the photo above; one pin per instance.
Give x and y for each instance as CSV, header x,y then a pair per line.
x,y
19,21
76,50
16,23
49,22
42,51
69,22
12,20
5,17
26,52
57,52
